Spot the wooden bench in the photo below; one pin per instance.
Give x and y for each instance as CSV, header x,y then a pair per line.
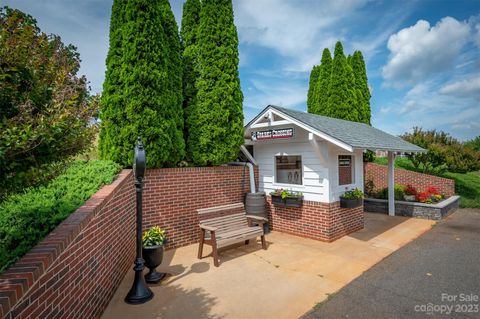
x,y
231,227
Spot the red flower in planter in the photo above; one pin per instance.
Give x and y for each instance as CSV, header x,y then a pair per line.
x,y
424,197
410,190
432,190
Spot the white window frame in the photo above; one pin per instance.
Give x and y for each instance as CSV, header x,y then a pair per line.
x,y
275,183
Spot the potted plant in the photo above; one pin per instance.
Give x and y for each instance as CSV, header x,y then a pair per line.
x,y
153,247
278,196
351,199
410,193
294,199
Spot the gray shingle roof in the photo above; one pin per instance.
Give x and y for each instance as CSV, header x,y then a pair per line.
x,y
357,135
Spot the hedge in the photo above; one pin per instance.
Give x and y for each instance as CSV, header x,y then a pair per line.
x,y
26,218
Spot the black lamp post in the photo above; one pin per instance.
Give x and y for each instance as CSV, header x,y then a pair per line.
x,y
139,293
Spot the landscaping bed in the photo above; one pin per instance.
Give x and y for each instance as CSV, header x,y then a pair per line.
x,y
435,211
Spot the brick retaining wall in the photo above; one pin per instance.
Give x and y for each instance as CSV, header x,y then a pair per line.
x,y
378,173
315,220
172,196
75,270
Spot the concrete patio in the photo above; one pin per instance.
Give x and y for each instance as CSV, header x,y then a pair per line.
x,y
285,281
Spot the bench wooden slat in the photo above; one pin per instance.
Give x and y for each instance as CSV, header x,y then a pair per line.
x,y
227,229
223,218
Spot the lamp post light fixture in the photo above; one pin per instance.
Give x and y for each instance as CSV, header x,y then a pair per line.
x,y
139,293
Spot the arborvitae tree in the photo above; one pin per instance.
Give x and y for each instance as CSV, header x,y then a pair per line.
x,y
323,85
143,95
112,114
216,120
188,33
342,97
312,96
361,86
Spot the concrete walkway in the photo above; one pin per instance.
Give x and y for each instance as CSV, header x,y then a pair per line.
x,y
285,281
435,276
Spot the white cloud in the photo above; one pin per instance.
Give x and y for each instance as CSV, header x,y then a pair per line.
x,y
421,50
463,88
276,92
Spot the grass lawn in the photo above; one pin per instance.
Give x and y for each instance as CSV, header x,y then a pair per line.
x,y
467,185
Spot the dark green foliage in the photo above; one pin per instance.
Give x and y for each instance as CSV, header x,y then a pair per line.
x,y
342,97
45,108
444,152
143,85
25,219
339,88
361,87
323,85
188,33
311,98
215,122
399,192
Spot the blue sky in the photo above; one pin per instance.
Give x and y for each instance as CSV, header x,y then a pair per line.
x,y
423,57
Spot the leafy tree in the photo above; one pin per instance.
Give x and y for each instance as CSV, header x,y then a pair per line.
x,y
143,85
361,87
443,152
311,98
45,108
188,33
342,98
215,122
474,144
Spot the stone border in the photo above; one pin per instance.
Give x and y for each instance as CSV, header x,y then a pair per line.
x,y
414,209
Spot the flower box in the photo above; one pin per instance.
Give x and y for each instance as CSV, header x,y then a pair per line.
x,y
277,200
350,202
293,201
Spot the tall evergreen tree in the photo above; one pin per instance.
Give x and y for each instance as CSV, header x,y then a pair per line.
x,y
323,85
342,97
188,33
216,120
361,86
143,95
311,98
112,114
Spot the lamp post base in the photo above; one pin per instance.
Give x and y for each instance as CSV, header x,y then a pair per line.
x,y
139,293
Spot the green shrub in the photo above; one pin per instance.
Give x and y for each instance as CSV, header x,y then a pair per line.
x,y
399,191
27,218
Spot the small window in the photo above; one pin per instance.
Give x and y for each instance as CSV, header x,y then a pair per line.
x,y
345,169
288,169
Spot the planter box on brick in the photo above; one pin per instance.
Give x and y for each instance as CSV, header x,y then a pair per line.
x,y
350,202
277,200
293,201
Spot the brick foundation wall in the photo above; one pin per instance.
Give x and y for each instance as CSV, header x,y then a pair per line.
x,y
315,220
378,173
75,270
172,196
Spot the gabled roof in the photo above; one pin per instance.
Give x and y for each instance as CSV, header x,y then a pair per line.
x,y
354,134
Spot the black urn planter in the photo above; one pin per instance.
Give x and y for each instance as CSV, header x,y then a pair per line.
x,y
350,202
277,200
294,201
153,256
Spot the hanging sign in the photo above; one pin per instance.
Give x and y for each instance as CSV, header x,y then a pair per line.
x,y
272,134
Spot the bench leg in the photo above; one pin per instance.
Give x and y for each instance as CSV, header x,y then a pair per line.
x,y
264,243
214,248
200,245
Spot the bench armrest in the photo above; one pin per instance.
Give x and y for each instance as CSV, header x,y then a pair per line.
x,y
209,228
257,218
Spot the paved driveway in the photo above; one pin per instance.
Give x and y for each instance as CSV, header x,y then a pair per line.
x,y
435,276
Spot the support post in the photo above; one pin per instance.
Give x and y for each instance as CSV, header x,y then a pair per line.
x,y
391,183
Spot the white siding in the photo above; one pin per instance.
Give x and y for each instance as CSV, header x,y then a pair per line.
x,y
315,174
